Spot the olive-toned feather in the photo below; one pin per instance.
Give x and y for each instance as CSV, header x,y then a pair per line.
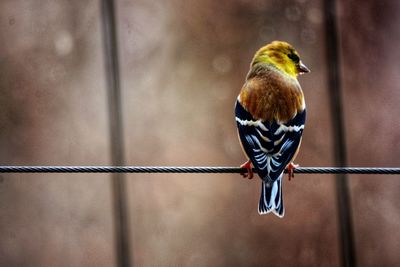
x,y
269,95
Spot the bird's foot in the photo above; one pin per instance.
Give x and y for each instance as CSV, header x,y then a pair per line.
x,y
249,174
290,169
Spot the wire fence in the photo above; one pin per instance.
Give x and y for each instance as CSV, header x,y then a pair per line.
x,y
165,169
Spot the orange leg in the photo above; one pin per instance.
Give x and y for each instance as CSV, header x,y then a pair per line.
x,y
249,174
290,167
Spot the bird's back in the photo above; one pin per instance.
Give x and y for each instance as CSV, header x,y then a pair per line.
x,y
270,115
270,95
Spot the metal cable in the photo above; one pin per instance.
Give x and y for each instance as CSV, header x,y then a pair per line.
x,y
164,169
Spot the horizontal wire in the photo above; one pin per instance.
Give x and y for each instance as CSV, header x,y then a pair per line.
x,y
164,169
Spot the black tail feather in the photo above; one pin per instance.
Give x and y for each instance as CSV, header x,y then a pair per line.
x,y
271,198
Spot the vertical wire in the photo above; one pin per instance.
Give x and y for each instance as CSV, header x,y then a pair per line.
x,y
118,183
348,257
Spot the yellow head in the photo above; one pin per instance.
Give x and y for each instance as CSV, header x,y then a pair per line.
x,y
282,56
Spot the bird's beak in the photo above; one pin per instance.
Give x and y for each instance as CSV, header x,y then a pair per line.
x,y
303,68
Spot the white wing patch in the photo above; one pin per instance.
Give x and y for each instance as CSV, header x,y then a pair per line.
x,y
284,128
257,123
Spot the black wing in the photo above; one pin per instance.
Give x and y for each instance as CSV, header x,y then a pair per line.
x,y
269,146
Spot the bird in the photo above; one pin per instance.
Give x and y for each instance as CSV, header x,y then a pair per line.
x,y
270,113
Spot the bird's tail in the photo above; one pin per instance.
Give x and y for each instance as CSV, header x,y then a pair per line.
x,y
271,198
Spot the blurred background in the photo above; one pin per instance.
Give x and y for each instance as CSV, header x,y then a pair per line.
x,y
182,64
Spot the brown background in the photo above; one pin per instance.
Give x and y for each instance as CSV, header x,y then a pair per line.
x,y
182,65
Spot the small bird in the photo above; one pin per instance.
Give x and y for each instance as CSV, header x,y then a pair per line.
x,y
270,115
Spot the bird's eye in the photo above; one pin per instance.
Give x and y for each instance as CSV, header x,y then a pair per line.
x,y
295,58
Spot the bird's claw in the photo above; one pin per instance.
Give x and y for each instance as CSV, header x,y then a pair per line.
x,y
249,174
290,169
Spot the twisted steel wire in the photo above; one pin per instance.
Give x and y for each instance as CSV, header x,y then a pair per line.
x,y
165,169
